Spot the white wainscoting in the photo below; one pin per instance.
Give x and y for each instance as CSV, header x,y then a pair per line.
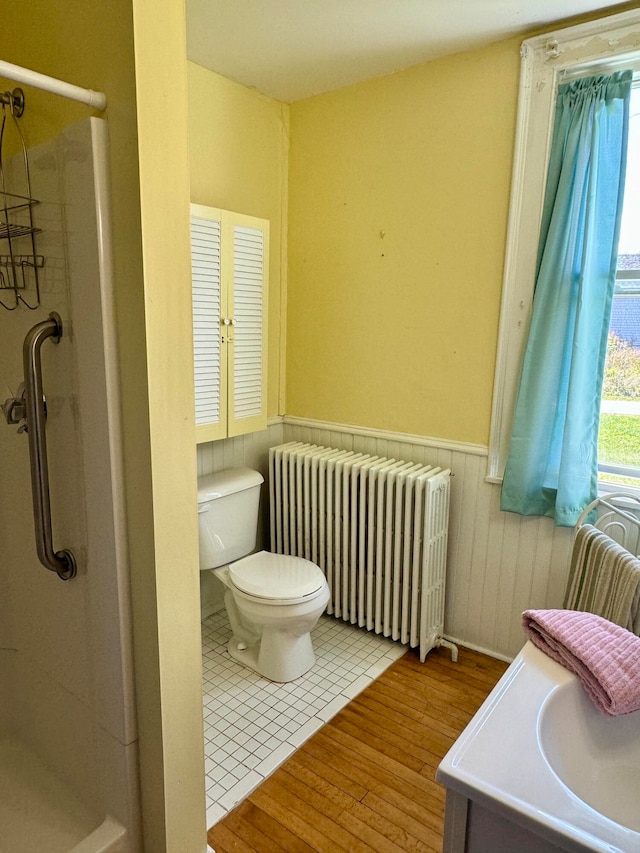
x,y
499,563
244,451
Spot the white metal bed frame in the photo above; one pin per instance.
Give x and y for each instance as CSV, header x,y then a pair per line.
x,y
618,517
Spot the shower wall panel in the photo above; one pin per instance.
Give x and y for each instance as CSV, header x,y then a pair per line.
x,y
65,646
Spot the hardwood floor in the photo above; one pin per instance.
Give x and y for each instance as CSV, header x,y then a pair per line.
x,y
365,782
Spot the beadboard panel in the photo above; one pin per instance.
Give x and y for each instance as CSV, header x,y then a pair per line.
x,y
243,451
499,564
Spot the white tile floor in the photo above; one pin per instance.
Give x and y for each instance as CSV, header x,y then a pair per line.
x,y
252,725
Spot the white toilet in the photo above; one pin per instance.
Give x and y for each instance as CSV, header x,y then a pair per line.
x,y
273,601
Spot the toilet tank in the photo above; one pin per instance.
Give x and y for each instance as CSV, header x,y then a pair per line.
x,y
228,505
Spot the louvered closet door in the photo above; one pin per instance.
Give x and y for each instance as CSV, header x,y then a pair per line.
x,y
247,367
209,307
229,264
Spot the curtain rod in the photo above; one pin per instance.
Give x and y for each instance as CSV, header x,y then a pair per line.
x,y
97,100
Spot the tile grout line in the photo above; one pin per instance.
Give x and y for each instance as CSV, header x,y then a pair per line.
x,y
240,753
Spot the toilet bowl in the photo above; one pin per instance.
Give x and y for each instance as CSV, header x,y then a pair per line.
x,y
273,601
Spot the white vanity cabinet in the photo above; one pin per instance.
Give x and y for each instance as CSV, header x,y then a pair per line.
x,y
472,827
229,263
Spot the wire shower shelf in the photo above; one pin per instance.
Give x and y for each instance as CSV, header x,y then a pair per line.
x,y
19,263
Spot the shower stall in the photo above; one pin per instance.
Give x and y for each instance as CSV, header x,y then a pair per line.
x,y
68,738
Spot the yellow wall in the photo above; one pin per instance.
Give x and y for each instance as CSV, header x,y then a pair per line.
x,y
399,192
239,141
168,638
134,51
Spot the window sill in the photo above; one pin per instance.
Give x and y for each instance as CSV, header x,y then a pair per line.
x,y
617,488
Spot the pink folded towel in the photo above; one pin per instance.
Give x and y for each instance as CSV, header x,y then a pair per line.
x,y
604,656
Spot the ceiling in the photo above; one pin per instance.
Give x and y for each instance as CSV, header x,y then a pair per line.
x,y
292,49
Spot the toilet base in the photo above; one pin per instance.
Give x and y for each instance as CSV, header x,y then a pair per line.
x,y
277,655
274,640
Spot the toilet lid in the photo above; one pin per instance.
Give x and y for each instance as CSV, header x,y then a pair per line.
x,y
276,576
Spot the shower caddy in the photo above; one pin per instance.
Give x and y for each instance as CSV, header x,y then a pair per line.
x,y
19,263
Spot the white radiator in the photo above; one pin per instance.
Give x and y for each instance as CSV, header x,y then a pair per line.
x,y
377,528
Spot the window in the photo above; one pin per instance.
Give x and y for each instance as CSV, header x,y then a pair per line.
x,y
606,45
619,438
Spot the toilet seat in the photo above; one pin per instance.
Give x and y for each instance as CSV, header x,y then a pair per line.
x,y
277,578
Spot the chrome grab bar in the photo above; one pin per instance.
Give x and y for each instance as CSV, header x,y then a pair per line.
x,y
61,562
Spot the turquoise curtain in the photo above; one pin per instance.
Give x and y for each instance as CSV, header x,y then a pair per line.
x,y
552,467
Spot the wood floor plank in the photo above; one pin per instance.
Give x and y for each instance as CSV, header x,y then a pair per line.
x,y
378,758
366,781
324,768
409,731
398,742
379,833
398,817
318,788
277,805
421,687
392,707
271,830
318,782
312,809
457,696
375,741
431,705
324,748
250,835
377,779
226,841
350,817
427,812
474,676
446,680
356,748
413,691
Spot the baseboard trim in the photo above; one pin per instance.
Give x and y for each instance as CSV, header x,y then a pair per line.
x,y
480,649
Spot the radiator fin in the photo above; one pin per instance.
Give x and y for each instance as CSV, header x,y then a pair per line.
x,y
378,529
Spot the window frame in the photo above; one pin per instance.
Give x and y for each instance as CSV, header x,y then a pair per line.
x,y
604,45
